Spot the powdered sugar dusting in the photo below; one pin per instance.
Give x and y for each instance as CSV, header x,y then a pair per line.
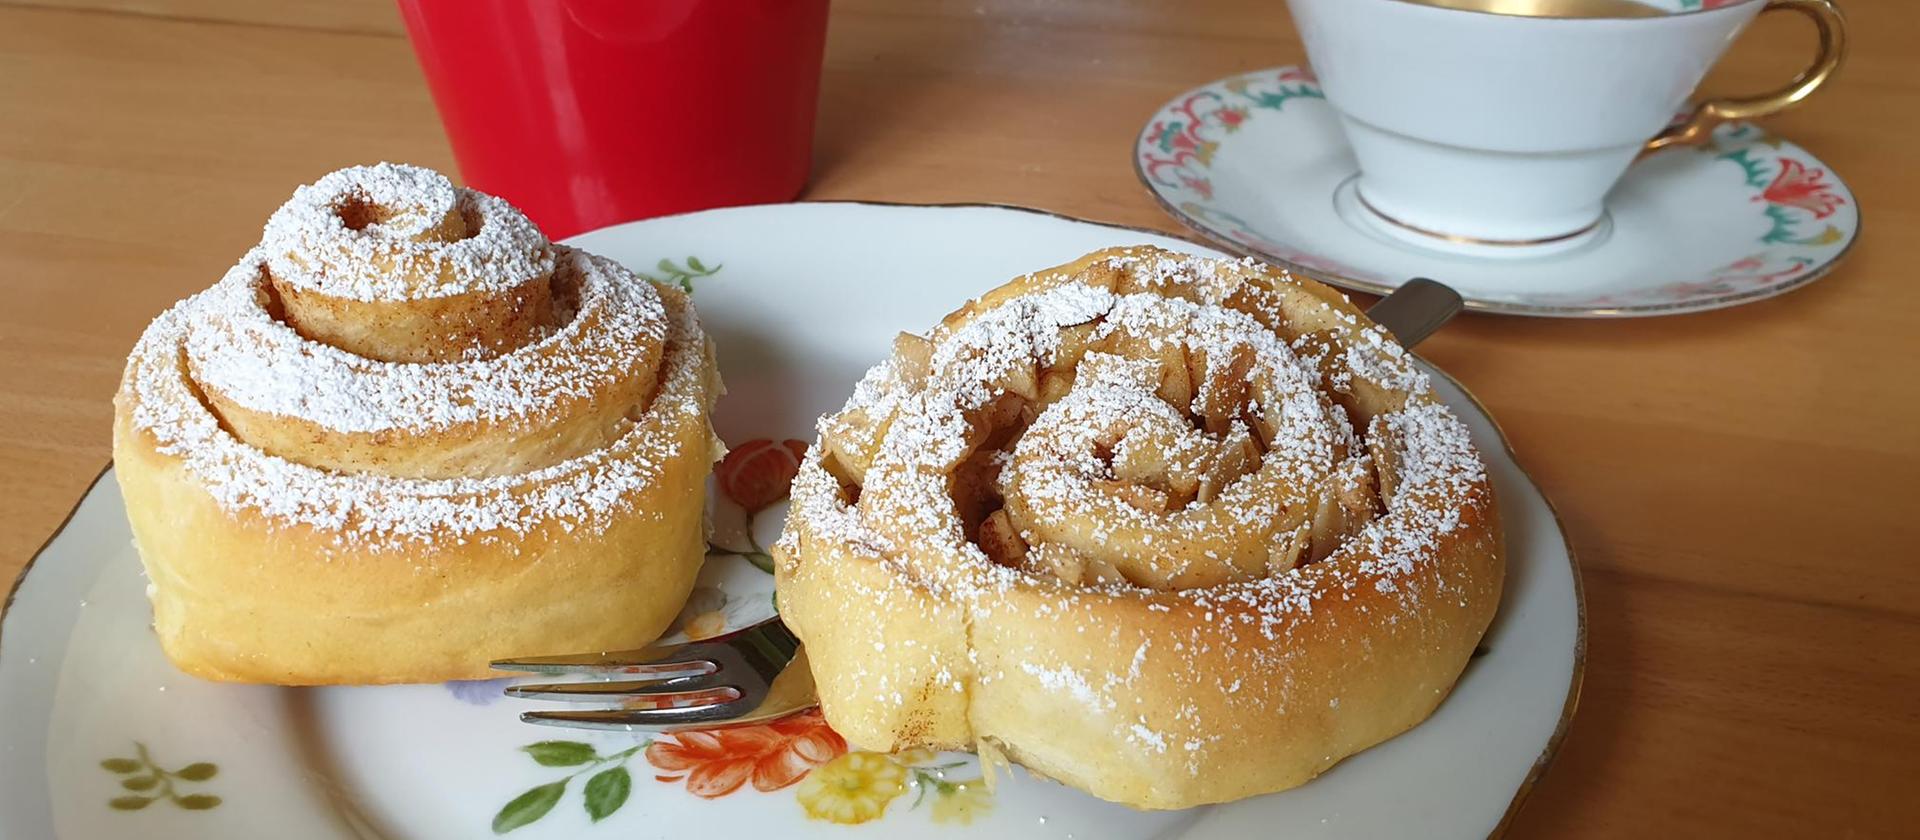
x,y
583,492
1315,474
308,243
228,340
1071,682
246,355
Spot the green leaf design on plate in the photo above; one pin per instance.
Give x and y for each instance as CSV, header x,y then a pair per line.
x,y
528,807
684,276
561,753
607,791
153,782
198,771
760,560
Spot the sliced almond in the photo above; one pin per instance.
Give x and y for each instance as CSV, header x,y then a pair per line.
x,y
1002,420
1001,541
1142,455
1022,380
1054,384
1286,549
1237,456
841,440
912,359
1059,561
1102,572
1384,447
1176,384
1223,385
1267,423
1074,343
1138,497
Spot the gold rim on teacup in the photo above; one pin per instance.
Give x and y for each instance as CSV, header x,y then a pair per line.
x,y
1575,9
1360,196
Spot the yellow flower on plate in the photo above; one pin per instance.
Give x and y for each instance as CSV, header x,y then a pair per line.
x,y
706,625
915,756
960,802
853,788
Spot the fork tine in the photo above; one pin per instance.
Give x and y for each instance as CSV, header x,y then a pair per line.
x,y
596,690
659,662
630,720
718,716
751,675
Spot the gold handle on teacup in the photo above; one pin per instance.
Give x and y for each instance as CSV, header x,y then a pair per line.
x,y
1832,27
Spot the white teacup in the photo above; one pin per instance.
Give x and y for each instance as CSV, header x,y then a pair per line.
x,y
1494,125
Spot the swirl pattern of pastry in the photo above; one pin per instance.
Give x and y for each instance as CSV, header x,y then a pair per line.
x,y
407,435
1171,530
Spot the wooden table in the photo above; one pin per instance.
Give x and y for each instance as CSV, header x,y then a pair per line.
x,y
1740,485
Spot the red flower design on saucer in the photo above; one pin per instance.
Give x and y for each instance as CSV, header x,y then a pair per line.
x,y
1807,189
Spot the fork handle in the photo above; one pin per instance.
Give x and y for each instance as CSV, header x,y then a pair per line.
x,y
1416,309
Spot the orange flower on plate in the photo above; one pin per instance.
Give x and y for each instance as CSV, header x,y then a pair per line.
x,y
757,473
772,756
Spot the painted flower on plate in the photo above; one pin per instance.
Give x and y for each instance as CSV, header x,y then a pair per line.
x,y
1202,186
772,756
960,803
757,473
478,692
706,625
853,788
704,615
1798,186
1231,117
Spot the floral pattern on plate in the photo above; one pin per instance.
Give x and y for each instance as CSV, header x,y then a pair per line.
x,y
835,785
82,680
1801,216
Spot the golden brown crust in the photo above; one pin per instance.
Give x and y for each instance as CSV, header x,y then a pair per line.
x,y
239,596
1164,692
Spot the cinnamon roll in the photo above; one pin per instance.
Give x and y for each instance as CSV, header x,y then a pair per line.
x,y
407,435
1171,530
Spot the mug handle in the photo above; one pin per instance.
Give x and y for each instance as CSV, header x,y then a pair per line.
x,y
1698,126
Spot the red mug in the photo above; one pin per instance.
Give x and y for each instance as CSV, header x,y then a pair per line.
x,y
585,113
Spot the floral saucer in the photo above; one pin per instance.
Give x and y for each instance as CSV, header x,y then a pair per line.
x,y
101,737
1257,164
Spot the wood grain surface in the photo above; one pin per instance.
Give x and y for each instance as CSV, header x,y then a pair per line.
x,y
1740,485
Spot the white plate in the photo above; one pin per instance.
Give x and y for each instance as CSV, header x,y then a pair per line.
x,y
801,298
1258,164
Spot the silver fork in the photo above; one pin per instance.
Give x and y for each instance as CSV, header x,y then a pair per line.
x,y
748,676
760,673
